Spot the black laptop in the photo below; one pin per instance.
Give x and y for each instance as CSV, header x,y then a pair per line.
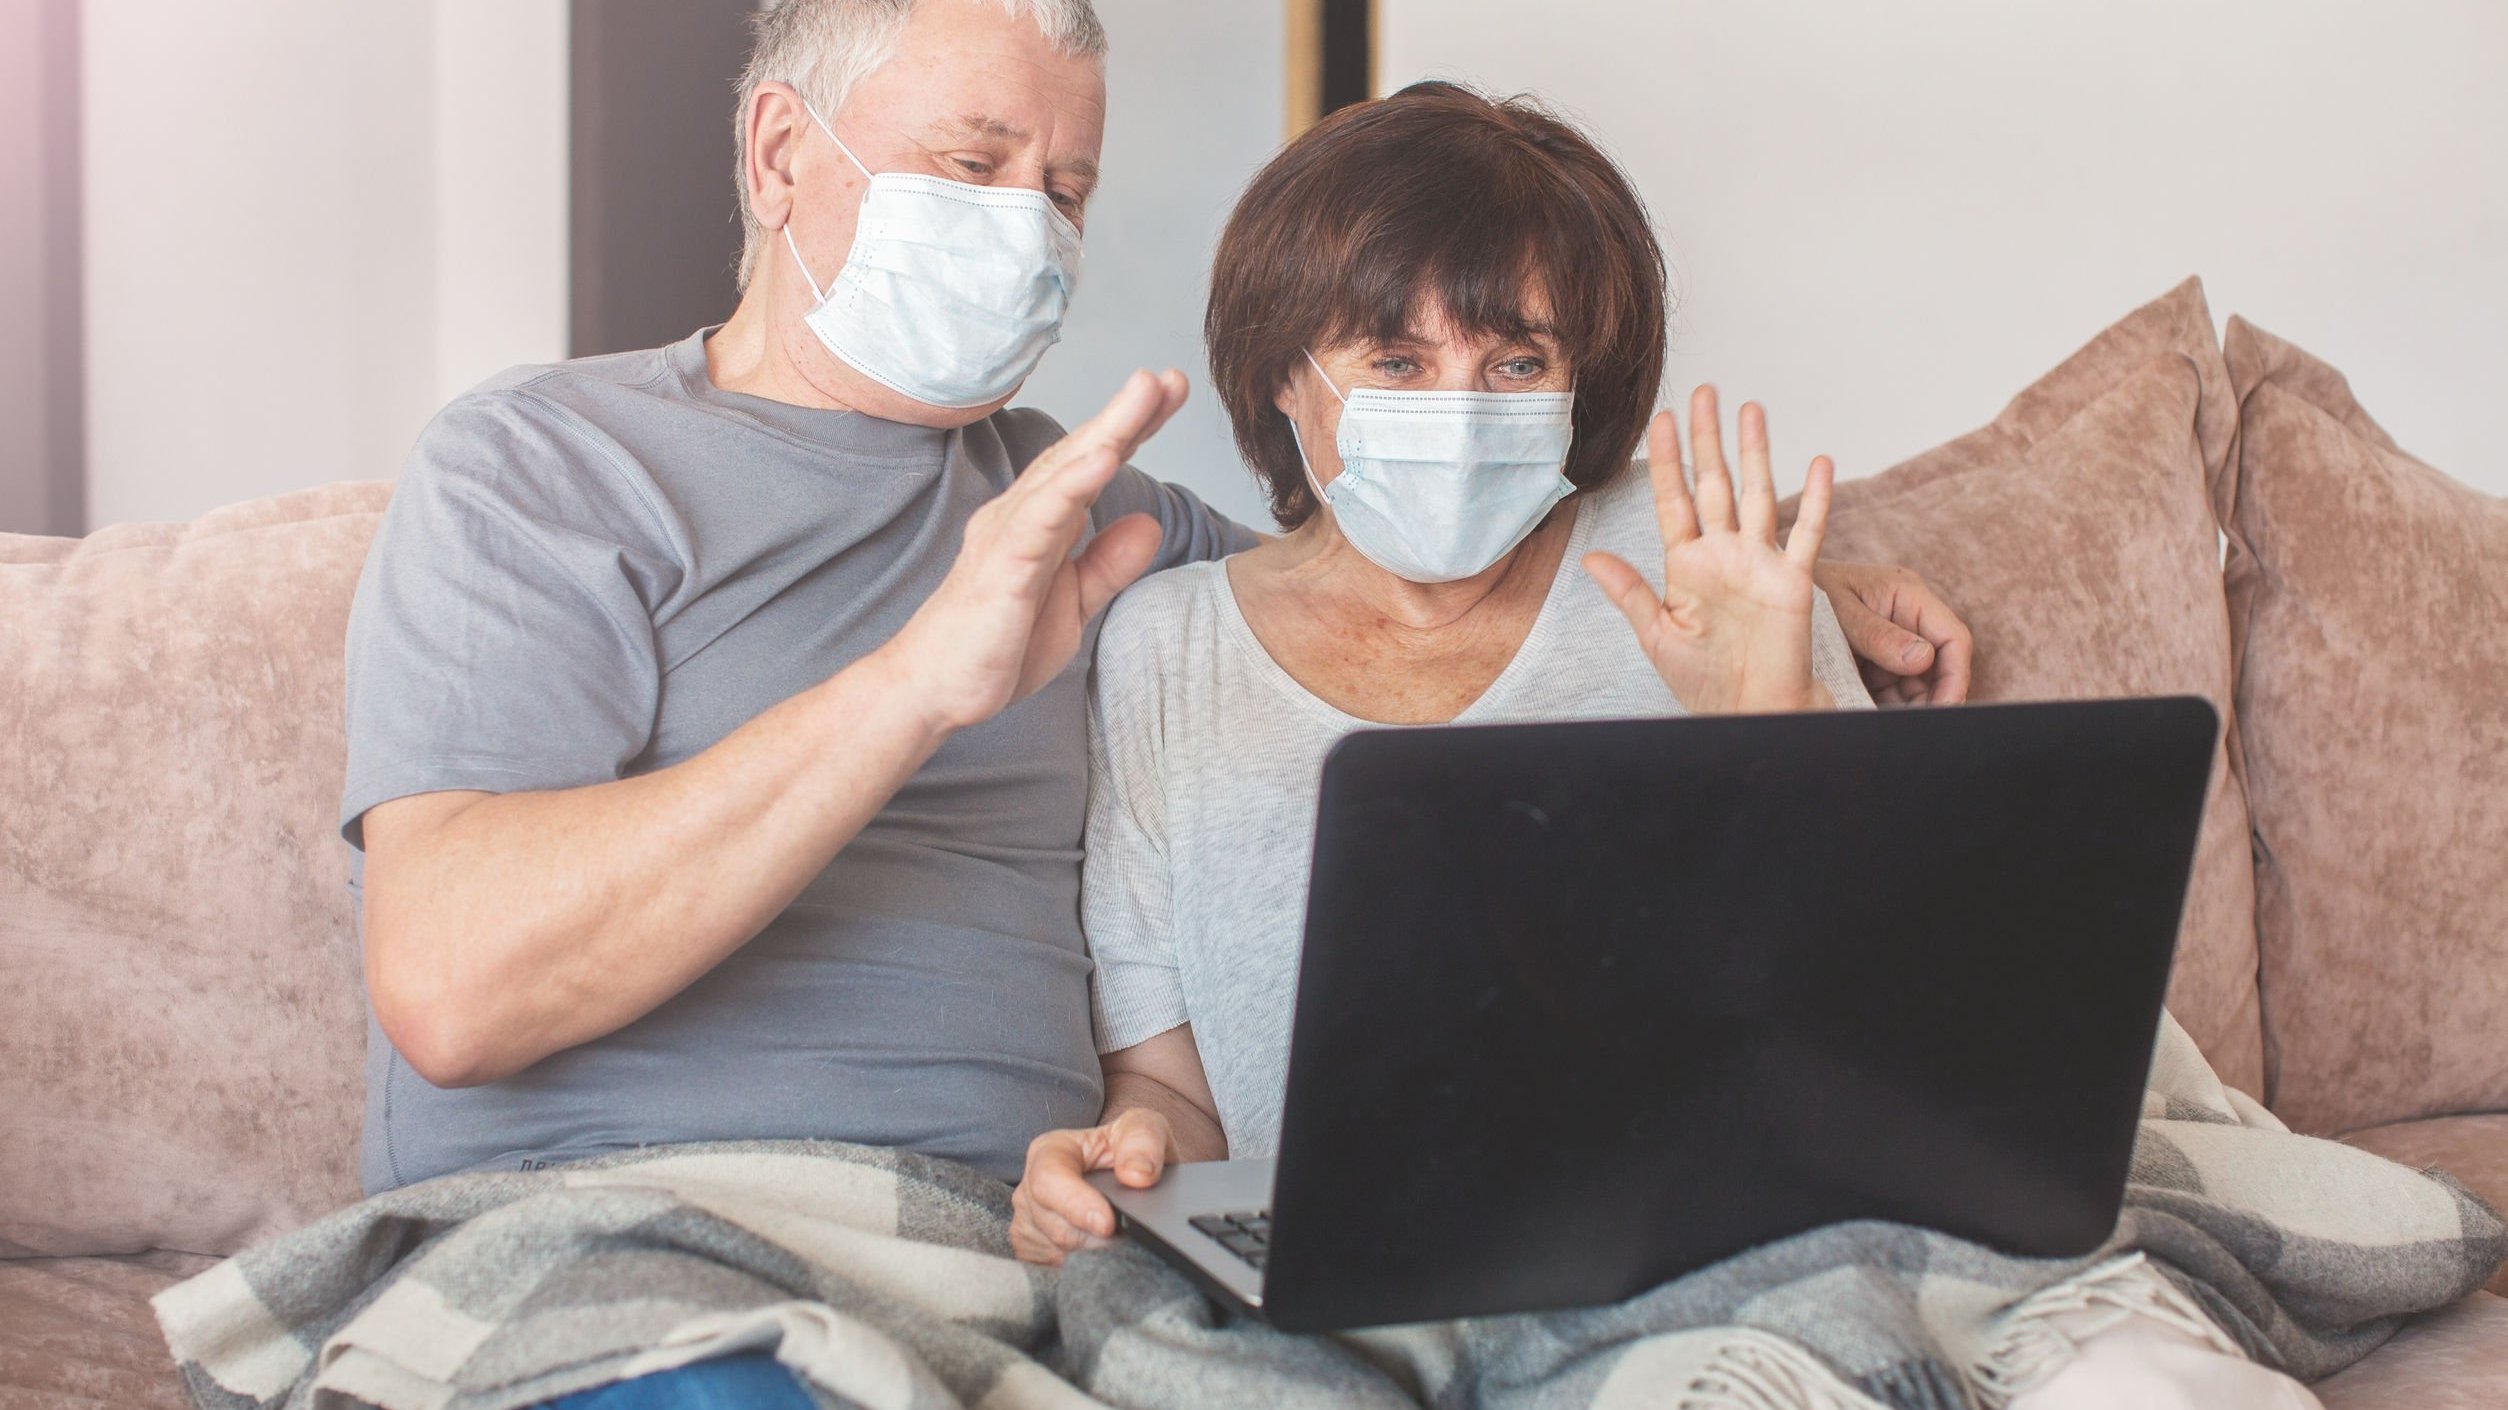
x,y
1586,1006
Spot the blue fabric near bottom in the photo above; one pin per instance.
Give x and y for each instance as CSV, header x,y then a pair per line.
x,y
755,1381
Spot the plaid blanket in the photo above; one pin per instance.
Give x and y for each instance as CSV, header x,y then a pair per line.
x,y
885,1281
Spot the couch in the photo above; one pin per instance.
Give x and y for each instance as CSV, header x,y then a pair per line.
x,y
181,1027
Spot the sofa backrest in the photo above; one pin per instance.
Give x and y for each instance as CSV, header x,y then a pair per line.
x,y
182,1026
2075,534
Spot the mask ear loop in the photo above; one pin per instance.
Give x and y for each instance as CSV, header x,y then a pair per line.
x,y
807,277
832,137
1300,442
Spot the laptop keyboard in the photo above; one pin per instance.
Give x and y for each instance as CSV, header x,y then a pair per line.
x,y
1247,1235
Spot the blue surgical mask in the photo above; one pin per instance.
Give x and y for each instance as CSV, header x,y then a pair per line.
x,y
953,291
1437,486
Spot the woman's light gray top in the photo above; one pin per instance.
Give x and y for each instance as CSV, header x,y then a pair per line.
x,y
1205,760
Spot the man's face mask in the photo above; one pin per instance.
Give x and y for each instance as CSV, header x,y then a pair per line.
x,y
953,291
1437,486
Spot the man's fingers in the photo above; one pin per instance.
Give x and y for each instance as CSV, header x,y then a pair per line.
x,y
1714,496
1040,526
1811,521
1136,403
1095,450
1917,607
1117,557
1758,488
1674,514
1135,413
1890,652
1952,662
1177,391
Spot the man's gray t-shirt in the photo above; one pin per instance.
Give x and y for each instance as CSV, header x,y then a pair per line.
x,y
597,569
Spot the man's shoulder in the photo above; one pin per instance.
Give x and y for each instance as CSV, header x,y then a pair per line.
x,y
552,397
1025,432
517,457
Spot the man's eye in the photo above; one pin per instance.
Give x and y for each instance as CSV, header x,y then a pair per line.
x,y
973,167
1067,203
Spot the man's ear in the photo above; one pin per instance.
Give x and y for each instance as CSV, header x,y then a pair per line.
x,y
773,125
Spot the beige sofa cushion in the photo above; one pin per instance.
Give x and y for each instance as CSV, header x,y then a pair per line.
x,y
2474,1149
2452,1359
2074,535
80,1332
2369,607
183,1011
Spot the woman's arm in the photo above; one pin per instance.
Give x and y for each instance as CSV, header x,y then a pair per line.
x,y
1159,1111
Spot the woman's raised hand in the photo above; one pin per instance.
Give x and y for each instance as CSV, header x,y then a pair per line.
x,y
1732,631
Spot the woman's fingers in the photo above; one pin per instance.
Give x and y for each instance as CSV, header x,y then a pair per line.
x,y
1706,447
1758,488
1054,1200
1630,592
1056,1231
1811,521
1674,514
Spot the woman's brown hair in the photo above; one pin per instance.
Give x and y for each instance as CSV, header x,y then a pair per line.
x,y
1442,198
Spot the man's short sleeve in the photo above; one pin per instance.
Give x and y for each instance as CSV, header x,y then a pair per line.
x,y
502,637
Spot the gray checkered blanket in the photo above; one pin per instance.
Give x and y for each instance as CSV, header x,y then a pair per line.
x,y
886,1281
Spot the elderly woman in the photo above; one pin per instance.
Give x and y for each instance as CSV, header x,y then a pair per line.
x,y
1437,323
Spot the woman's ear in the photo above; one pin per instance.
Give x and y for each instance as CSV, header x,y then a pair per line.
x,y
1285,398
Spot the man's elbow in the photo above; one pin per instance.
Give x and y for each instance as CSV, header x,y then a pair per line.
x,y
442,1034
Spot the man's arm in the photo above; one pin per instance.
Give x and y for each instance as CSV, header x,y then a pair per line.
x,y
502,928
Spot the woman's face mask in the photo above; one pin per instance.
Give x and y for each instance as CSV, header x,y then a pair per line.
x,y
1437,486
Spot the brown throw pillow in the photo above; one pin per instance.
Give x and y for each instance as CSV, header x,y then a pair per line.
x,y
2369,612
182,1027
2075,537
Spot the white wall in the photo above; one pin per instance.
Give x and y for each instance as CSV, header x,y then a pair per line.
x,y
1195,96
276,302
307,224
1886,219
24,389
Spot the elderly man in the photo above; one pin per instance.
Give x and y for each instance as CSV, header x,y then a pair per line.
x,y
717,748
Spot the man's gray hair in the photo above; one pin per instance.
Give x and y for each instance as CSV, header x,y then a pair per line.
x,y
825,47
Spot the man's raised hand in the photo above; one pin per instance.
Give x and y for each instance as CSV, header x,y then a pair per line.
x,y
1017,602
